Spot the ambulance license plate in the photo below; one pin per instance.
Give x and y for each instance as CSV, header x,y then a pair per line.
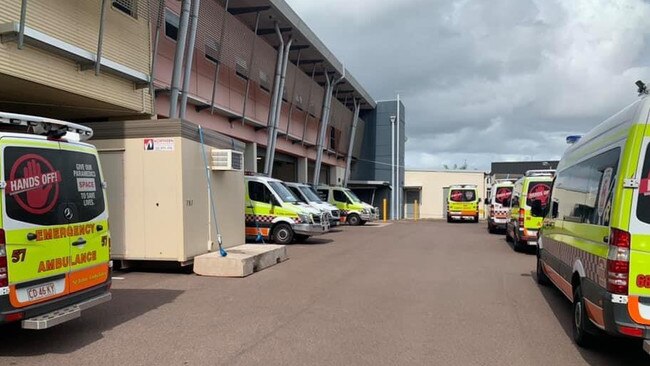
x,y
41,291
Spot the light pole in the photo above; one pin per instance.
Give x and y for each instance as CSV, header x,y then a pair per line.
x,y
398,190
392,167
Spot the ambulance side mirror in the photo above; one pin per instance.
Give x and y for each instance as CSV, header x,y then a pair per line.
x,y
487,201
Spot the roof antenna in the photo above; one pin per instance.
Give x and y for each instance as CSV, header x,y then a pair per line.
x,y
643,89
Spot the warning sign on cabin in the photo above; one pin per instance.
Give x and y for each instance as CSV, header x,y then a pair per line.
x,y
159,144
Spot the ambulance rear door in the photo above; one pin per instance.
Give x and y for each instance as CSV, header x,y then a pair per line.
x,y
38,256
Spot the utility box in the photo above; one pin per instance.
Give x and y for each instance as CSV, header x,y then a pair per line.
x,y
158,192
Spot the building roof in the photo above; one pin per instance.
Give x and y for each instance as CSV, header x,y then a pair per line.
x,y
520,167
445,171
313,52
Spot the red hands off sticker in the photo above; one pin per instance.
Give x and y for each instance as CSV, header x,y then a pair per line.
x,y
540,192
34,184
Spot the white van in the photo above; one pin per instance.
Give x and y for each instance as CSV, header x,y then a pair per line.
x,y
308,195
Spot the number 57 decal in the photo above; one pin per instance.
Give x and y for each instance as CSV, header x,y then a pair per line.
x,y
18,255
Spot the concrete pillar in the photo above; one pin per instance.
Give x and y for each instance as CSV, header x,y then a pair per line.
x,y
303,172
250,157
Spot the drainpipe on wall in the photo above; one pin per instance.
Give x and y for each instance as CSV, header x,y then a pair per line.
x,y
278,109
355,120
327,104
274,101
100,37
156,41
21,27
189,56
178,59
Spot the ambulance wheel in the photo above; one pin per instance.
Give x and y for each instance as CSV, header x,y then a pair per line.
x,y
354,220
516,243
362,222
542,278
518,247
283,233
508,237
582,333
476,219
448,218
491,228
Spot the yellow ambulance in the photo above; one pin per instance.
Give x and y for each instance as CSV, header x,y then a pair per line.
x,y
274,213
463,202
54,238
534,187
594,244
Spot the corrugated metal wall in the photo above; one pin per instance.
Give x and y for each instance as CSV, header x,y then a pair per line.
x,y
238,41
126,41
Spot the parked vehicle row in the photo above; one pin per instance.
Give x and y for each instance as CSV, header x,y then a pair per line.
x,y
284,212
590,225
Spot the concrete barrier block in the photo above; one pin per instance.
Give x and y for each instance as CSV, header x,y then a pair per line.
x,y
241,261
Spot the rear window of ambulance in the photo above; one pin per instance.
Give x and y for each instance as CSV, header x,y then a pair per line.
x,y
503,195
538,191
51,186
462,195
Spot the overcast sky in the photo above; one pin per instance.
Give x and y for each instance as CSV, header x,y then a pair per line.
x,y
490,80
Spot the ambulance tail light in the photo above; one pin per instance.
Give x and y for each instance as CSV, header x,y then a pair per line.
x,y
618,262
522,215
630,331
4,279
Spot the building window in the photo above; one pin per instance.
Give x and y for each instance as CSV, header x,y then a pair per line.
x,y
212,50
333,138
171,25
241,68
265,84
128,7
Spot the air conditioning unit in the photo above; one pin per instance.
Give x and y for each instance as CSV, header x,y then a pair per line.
x,y
224,159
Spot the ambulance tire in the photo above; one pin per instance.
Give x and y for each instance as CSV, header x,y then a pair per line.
x,y
491,228
516,243
517,246
282,233
476,219
582,329
541,277
448,218
354,220
362,222
508,237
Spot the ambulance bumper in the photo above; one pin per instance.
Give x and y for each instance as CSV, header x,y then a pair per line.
x,y
462,215
59,316
498,222
310,229
368,217
528,236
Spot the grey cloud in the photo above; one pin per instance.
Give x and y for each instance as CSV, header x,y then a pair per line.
x,y
499,79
